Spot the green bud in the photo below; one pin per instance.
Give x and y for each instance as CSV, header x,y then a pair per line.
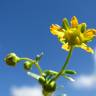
x,y
50,86
83,27
42,80
27,65
65,24
70,72
11,59
53,85
43,74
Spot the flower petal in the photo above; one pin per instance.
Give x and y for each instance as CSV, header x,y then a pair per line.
x,y
57,30
89,34
66,47
65,24
74,21
86,48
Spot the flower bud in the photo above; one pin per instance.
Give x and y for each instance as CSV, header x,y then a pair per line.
x,y
12,59
53,85
41,80
27,65
50,86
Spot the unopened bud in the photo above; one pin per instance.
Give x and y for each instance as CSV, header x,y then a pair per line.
x,y
12,59
27,65
50,86
42,80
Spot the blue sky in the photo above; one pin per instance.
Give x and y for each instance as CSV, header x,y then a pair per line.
x,y
24,29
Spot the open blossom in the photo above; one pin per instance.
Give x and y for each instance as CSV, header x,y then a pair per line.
x,y
75,34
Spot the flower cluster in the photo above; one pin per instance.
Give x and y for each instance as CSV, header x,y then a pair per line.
x,y
70,36
12,59
75,34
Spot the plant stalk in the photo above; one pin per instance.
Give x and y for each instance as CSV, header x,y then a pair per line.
x,y
64,66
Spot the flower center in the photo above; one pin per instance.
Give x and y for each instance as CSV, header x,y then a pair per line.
x,y
73,37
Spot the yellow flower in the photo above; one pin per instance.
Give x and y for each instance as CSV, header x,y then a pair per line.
x,y
75,35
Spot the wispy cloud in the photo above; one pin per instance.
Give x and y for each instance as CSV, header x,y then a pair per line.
x,y
26,91
85,81
95,61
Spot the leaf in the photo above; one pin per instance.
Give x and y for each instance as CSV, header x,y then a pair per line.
x,y
50,72
70,72
69,78
33,75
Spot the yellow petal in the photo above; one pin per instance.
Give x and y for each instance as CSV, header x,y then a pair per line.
x,y
86,48
90,33
74,21
54,28
57,30
66,47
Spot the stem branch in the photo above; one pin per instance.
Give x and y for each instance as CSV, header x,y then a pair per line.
x,y
33,61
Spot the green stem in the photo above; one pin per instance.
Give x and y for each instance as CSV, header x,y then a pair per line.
x,y
33,61
64,66
27,59
39,68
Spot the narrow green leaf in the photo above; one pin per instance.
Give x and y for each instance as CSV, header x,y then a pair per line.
x,y
50,72
33,75
69,78
70,72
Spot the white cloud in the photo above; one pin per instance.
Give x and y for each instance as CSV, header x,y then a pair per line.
x,y
85,81
64,95
95,55
26,91
95,62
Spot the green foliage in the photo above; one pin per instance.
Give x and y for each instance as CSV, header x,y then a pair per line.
x,y
70,72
